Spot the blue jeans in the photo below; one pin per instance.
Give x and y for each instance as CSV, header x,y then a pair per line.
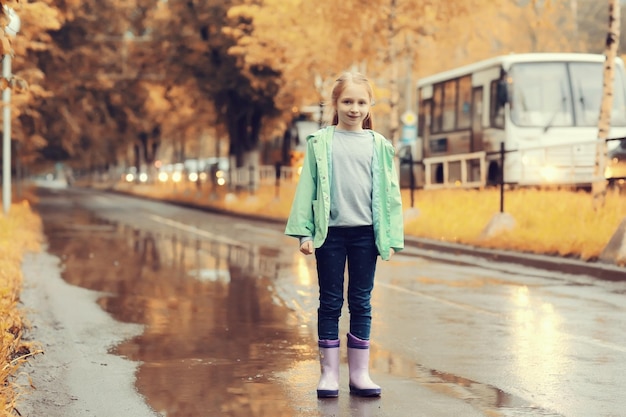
x,y
357,246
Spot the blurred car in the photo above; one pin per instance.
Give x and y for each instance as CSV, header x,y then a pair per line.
x,y
134,175
616,166
195,171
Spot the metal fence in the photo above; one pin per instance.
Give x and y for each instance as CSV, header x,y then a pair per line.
x,y
570,164
252,177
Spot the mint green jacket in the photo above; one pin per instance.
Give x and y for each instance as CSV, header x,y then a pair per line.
x,y
310,211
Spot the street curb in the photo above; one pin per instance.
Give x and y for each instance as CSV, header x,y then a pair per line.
x,y
605,271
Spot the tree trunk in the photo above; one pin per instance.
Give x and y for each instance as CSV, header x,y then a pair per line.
x,y
604,122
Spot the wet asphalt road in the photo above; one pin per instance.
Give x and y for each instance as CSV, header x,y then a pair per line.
x,y
229,309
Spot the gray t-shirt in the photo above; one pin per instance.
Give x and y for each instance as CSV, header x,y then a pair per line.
x,y
351,184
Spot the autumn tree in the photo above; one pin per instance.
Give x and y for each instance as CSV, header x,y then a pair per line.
x,y
193,43
38,18
372,41
81,64
97,111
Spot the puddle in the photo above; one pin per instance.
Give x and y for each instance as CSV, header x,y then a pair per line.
x,y
214,334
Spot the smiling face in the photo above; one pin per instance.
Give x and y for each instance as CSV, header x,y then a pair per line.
x,y
352,106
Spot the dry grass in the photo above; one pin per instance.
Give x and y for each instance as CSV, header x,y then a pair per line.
x,y
549,222
553,222
264,201
20,232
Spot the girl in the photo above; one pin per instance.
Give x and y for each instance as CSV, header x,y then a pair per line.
x,y
347,207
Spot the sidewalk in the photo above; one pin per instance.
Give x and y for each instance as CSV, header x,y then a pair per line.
x,y
77,376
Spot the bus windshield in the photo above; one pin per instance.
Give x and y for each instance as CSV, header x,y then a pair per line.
x,y
559,94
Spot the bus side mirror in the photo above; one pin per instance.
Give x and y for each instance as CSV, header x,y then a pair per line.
x,y
502,93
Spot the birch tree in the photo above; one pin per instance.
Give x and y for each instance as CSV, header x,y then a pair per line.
x,y
604,122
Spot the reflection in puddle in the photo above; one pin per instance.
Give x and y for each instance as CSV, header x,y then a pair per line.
x,y
213,336
490,400
221,275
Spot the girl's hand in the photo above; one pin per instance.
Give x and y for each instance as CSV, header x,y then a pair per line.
x,y
391,253
307,247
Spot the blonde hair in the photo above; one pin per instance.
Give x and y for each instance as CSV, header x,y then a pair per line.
x,y
339,87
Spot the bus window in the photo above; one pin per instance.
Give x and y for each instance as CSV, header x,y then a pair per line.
x,y
449,106
496,112
437,108
498,97
541,95
464,117
439,145
452,102
587,85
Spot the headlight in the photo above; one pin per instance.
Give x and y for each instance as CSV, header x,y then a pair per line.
x,y
130,178
177,176
143,177
531,160
193,177
163,176
549,173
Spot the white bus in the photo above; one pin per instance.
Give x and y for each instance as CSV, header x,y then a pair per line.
x,y
543,107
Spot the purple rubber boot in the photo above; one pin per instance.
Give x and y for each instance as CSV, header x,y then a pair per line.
x,y
328,386
358,361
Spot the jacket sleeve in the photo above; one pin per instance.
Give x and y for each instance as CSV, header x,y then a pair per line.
x,y
301,222
395,206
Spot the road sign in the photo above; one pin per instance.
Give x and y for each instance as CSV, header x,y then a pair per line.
x,y
408,118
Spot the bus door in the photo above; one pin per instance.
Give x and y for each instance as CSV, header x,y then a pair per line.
x,y
423,126
419,148
476,140
476,144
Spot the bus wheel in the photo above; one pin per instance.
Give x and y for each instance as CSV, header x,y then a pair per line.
x,y
494,177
